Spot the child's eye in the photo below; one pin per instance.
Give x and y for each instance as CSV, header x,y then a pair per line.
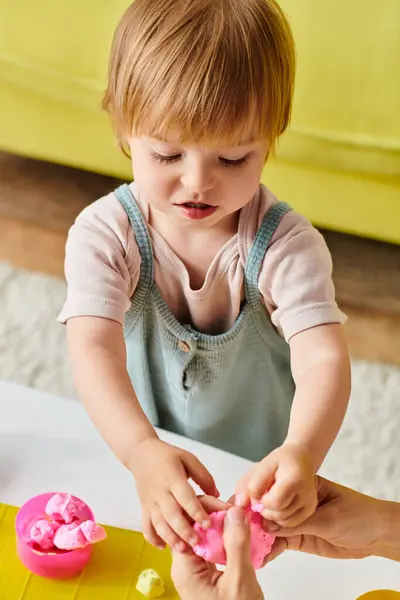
x,y
234,163
161,158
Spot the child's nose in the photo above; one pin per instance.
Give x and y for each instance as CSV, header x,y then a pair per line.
x,y
198,179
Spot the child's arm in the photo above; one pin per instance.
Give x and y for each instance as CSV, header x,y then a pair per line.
x,y
321,370
98,355
161,471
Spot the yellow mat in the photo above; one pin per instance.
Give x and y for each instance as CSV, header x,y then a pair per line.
x,y
110,575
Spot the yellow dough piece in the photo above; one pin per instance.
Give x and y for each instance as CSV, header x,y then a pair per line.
x,y
150,584
380,595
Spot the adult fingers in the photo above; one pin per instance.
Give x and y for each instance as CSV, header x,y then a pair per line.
x,y
191,573
237,545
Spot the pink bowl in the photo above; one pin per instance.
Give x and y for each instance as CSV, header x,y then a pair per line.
x,y
54,564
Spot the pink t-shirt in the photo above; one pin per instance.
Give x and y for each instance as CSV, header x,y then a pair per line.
x,y
102,268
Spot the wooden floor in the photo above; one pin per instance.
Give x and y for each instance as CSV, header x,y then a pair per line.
x,y
39,201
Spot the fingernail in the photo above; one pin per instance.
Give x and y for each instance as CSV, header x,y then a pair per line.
x,y
235,515
273,527
206,524
193,541
240,499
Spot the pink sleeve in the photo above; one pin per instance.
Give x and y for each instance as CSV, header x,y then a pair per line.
x,y
296,278
102,263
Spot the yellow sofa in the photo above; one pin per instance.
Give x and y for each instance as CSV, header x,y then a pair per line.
x,y
340,162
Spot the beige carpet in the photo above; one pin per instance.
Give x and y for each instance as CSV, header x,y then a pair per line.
x,y
33,352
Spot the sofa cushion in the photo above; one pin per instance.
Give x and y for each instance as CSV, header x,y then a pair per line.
x,y
59,49
346,113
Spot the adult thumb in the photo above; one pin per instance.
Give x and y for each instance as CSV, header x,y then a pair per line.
x,y
237,543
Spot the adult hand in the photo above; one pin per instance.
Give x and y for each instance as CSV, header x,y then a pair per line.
x,y
196,579
346,524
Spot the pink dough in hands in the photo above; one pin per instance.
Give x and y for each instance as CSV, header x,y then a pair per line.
x,y
73,536
65,508
258,507
211,542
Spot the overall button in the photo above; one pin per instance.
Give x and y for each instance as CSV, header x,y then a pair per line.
x,y
184,346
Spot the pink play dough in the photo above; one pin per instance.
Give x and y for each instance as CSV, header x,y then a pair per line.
x,y
65,526
42,533
47,562
93,533
73,536
65,508
211,544
257,507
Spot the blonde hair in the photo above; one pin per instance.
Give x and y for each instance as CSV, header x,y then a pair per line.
x,y
208,68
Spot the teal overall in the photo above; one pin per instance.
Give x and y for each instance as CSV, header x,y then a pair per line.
x,y
233,390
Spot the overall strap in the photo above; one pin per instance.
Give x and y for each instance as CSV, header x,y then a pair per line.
x,y
127,199
269,224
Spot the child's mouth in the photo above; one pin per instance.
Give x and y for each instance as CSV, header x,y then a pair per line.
x,y
197,210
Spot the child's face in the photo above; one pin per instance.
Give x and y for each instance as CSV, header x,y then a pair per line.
x,y
197,185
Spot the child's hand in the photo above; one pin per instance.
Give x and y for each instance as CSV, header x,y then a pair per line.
x,y
285,483
169,503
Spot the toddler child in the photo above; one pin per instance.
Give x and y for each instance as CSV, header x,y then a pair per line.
x,y
197,301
